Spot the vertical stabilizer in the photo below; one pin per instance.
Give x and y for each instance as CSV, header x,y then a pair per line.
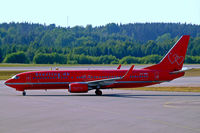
x,y
174,59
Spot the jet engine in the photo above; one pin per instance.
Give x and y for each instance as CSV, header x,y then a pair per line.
x,y
78,87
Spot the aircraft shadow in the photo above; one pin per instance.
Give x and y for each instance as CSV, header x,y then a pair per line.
x,y
120,95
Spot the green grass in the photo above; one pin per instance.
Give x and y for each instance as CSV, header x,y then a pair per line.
x,y
8,74
32,65
51,65
193,73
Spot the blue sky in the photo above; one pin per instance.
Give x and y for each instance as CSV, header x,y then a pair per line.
x,y
99,12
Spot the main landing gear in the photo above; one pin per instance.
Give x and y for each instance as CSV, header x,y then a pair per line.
x,y
98,92
24,93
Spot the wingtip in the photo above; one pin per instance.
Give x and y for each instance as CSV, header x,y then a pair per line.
x,y
129,71
186,36
119,66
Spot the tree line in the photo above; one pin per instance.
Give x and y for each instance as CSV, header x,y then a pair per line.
x,y
109,44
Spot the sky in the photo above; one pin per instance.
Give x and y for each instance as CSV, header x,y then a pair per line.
x,y
99,12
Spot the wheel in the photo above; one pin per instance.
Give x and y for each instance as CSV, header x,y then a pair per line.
x,y
98,92
24,93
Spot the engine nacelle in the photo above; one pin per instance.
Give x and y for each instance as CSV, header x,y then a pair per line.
x,y
78,87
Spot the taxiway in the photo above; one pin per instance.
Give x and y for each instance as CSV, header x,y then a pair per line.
x,y
117,111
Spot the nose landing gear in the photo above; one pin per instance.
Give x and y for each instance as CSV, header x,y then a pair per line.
x,y
24,93
98,92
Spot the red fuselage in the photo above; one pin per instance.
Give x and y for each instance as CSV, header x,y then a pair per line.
x,y
61,79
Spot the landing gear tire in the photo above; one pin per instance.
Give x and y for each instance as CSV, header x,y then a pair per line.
x,y
24,93
98,92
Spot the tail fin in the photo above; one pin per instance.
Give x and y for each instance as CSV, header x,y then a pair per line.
x,y
173,60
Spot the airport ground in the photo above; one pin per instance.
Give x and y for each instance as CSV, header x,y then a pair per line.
x,y
116,111
127,111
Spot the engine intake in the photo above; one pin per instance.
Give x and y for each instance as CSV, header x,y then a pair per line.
x,y
78,87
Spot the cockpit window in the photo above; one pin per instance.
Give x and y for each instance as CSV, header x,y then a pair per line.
x,y
15,77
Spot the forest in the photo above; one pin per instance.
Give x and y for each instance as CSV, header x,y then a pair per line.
x,y
138,43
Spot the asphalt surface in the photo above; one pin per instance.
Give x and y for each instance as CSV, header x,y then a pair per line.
x,y
117,111
90,67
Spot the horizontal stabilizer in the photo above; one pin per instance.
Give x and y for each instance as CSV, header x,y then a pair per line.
x,y
182,70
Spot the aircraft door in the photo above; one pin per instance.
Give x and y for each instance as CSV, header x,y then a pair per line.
x,y
85,77
28,77
156,75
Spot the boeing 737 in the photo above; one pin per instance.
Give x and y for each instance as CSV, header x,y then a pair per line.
x,y
82,81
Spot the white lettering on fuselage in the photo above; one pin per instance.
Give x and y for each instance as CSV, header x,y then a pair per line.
x,y
65,75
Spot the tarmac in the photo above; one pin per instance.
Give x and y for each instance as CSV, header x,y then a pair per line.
x,y
116,111
85,67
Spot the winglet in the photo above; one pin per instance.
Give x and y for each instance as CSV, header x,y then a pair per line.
x,y
128,72
119,67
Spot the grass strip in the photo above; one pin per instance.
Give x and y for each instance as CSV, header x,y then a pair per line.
x,y
193,73
170,89
4,75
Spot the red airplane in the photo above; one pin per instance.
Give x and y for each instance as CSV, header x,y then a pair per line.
x,y
82,81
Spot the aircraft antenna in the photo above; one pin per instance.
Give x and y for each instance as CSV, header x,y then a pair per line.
x,y
67,21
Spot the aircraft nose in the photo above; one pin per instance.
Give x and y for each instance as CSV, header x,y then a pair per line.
x,y
8,82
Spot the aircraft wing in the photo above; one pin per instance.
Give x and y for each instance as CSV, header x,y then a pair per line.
x,y
182,70
109,81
